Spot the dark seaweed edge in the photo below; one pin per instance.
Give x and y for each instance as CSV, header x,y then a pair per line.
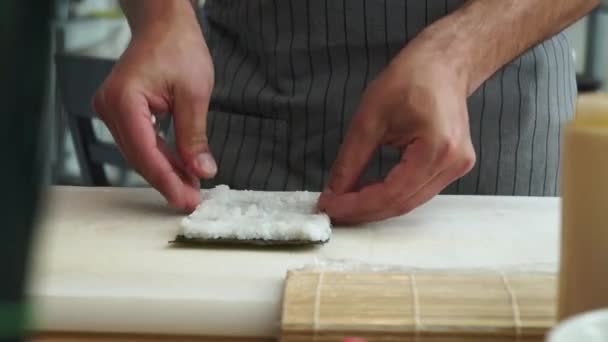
x,y
181,239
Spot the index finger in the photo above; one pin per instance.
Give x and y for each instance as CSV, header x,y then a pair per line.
x,y
416,168
363,138
139,144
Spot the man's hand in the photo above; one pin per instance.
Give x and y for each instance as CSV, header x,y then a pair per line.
x,y
166,69
418,105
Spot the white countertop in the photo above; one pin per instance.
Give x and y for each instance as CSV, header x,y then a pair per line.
x,y
103,262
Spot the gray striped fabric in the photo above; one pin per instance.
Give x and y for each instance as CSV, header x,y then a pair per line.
x,y
289,74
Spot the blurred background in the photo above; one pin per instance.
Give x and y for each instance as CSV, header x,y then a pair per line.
x,y
88,34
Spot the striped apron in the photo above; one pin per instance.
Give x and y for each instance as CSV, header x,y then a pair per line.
x,y
289,74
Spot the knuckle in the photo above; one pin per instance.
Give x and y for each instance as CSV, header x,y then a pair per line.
x,y
114,95
100,105
404,207
455,154
199,140
195,90
339,172
447,149
393,194
198,95
193,144
120,101
468,161
363,128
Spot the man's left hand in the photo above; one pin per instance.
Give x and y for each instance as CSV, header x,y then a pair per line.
x,y
417,105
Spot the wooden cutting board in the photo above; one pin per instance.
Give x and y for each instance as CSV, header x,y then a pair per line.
x,y
103,261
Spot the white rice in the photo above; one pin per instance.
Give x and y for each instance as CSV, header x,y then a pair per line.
x,y
246,215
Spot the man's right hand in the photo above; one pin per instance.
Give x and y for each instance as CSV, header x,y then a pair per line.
x,y
166,68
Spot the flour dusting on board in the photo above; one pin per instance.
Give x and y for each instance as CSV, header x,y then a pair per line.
x,y
226,214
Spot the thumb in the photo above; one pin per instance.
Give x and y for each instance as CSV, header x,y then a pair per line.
x,y
190,115
363,138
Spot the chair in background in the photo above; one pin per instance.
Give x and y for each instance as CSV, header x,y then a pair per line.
x,y
78,78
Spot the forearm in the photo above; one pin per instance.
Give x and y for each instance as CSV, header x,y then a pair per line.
x,y
143,14
484,35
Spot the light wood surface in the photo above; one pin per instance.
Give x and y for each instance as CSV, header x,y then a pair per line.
x,y
103,261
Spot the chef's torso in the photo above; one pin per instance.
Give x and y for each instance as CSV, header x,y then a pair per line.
x,y
289,74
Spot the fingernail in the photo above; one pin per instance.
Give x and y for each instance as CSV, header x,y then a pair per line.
x,y
207,163
327,192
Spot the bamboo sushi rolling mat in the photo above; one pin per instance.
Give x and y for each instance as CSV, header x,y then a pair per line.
x,y
417,306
